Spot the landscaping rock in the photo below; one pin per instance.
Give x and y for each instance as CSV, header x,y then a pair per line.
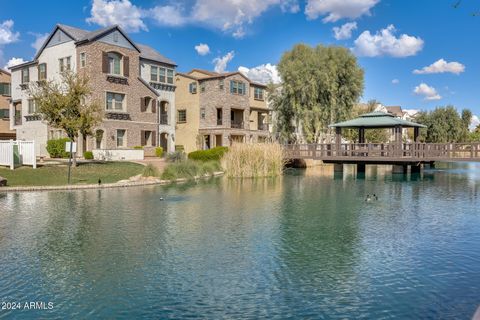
x,y
3,182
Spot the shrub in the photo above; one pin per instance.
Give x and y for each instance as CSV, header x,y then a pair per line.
x,y
138,148
159,152
213,154
176,156
88,155
56,148
150,171
189,169
254,160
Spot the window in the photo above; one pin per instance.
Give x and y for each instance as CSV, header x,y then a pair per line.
x,y
202,87
42,71
258,93
32,106
115,37
221,84
202,113
182,116
147,138
83,60
153,73
192,87
115,101
64,64
170,76
114,63
237,87
121,137
161,77
25,75
5,89
4,113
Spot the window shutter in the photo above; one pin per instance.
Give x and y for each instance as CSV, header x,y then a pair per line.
x,y
104,62
142,104
231,86
142,137
154,138
126,66
46,74
154,105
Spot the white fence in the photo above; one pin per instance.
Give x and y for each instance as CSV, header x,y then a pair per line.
x,y
118,154
17,153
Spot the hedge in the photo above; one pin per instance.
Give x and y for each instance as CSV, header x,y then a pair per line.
x,y
214,154
159,152
56,148
88,155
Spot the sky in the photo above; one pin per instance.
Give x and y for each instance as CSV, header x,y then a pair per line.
x,y
416,54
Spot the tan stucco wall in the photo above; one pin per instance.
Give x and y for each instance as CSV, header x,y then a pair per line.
x,y
186,133
5,132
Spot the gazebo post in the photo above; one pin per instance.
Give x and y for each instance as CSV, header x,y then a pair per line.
x,y
361,135
338,140
416,133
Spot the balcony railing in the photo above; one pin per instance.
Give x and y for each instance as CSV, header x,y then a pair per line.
x,y
263,127
164,118
236,125
219,121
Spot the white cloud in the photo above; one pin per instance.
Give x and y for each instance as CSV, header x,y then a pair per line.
x,y
221,63
338,9
229,16
474,123
7,35
345,31
122,12
171,16
384,43
395,81
202,49
429,93
442,66
13,62
39,40
264,73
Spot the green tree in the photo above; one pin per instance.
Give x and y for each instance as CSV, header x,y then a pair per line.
x,y
444,124
67,104
320,86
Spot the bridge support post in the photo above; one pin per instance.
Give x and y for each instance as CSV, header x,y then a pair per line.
x,y
399,169
416,168
338,167
432,164
361,167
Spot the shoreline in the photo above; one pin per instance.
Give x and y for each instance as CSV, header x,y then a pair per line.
x,y
119,184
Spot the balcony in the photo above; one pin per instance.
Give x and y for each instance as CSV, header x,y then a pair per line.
x,y
236,125
164,118
117,116
117,79
263,127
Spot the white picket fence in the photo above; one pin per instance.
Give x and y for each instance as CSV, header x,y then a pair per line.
x,y
26,153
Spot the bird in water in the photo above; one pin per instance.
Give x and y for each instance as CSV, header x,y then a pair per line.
x,y
375,197
161,199
368,198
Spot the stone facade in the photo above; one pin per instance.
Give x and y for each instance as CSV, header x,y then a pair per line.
x,y
5,132
133,89
215,116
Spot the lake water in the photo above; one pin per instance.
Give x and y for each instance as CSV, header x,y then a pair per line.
x,y
302,246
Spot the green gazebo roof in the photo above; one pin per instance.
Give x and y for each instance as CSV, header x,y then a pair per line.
x,y
376,119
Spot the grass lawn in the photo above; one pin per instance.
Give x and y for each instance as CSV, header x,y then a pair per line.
x,y
83,174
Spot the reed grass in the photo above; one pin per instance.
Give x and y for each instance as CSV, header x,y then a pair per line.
x,y
254,160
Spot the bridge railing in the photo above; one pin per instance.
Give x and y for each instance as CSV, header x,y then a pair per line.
x,y
414,151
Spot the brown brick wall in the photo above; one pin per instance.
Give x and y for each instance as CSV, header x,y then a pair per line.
x,y
5,132
134,90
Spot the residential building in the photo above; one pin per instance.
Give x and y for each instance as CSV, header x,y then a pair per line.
x,y
5,132
216,109
118,70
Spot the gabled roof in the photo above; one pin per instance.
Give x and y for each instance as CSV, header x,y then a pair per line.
x,y
149,53
84,36
376,119
396,110
4,71
148,86
209,75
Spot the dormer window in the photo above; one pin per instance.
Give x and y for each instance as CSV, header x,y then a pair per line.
x,y
160,74
114,63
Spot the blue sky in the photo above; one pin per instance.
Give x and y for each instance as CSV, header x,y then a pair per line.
x,y
391,38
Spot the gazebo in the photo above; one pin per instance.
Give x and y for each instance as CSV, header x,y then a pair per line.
x,y
376,120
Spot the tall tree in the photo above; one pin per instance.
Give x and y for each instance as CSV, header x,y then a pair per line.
x,y
320,86
444,124
67,104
